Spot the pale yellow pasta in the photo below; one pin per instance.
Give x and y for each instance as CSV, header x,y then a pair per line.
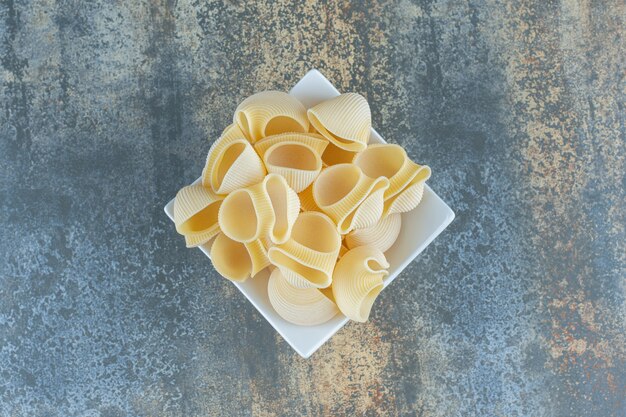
x,y
270,113
295,156
328,292
266,210
411,196
381,236
342,250
285,208
195,214
345,121
237,261
357,281
307,259
349,197
300,192
406,178
307,203
232,163
258,256
317,143
232,132
334,155
302,306
369,212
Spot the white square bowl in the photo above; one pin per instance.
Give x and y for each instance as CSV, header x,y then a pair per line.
x,y
419,227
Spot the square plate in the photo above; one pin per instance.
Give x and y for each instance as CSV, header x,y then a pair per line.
x,y
419,227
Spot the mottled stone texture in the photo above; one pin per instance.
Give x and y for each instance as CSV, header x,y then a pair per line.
x,y
518,309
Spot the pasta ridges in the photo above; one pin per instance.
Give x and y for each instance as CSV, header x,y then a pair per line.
x,y
246,214
369,211
406,178
341,189
285,207
357,281
312,140
308,257
232,164
258,256
382,235
265,210
411,195
237,261
295,156
270,112
195,214
306,307
344,120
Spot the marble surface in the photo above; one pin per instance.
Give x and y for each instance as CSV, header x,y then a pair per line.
x,y
107,108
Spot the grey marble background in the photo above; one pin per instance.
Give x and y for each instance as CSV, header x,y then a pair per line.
x,y
108,107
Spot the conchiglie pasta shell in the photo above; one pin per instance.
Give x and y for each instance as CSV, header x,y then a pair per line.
x,y
246,214
295,156
345,121
195,214
381,236
307,259
369,212
411,196
237,261
231,164
285,207
406,178
357,281
266,210
302,306
349,197
270,113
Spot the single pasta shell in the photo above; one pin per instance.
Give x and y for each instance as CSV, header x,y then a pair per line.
x,y
406,178
246,214
302,306
409,197
381,236
195,214
237,261
231,134
345,121
231,164
270,113
295,156
369,212
357,281
266,210
307,259
340,190
285,207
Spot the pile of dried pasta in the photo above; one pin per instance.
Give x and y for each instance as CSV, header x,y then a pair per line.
x,y
300,192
